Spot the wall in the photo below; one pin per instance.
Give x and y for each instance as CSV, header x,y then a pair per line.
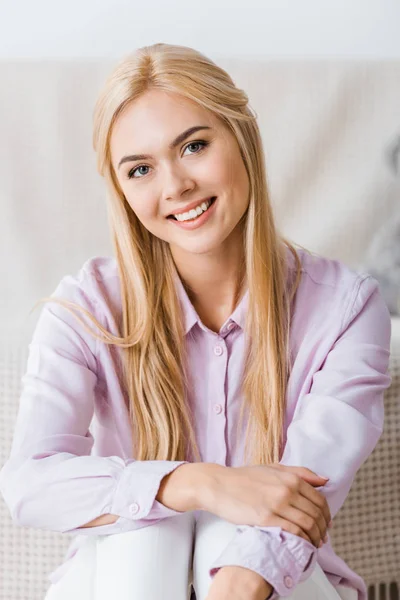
x,y
283,28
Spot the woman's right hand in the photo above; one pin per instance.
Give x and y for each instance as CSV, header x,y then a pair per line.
x,y
269,496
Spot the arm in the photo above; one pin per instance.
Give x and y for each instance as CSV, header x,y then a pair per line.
x,y
50,480
177,491
334,429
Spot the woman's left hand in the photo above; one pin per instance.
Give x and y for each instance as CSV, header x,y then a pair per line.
x,y
238,583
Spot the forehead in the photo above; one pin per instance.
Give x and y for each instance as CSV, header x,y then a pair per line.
x,y
154,119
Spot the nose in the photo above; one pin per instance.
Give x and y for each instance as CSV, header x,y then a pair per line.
x,y
176,182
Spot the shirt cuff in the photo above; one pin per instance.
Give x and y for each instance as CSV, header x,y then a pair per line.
x,y
137,488
134,498
281,558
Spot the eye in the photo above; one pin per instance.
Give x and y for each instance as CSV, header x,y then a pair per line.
x,y
131,174
202,145
133,171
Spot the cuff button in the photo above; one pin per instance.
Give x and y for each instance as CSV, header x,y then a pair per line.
x,y
288,581
134,508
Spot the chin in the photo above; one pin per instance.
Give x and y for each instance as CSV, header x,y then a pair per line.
x,y
200,247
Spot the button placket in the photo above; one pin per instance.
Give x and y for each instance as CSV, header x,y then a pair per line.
x,y
217,397
218,350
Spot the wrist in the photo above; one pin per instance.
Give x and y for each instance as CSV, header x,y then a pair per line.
x,y
191,486
205,485
174,490
270,591
184,488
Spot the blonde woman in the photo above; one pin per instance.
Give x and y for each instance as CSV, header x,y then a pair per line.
x,y
236,382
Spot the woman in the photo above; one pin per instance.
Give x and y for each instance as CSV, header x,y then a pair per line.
x,y
237,383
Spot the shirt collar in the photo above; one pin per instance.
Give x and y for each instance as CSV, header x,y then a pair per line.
x,y
190,314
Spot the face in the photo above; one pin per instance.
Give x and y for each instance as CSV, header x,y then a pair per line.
x,y
180,172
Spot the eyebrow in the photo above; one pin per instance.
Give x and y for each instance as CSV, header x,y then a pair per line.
x,y
180,138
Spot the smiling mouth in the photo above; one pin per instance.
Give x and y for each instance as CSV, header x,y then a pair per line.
x,y
173,217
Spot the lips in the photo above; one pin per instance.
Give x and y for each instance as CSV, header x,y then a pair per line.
x,y
190,206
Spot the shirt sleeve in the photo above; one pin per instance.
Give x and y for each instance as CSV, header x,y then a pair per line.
x,y
51,480
334,429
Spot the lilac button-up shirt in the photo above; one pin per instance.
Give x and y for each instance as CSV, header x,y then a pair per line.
x,y
61,474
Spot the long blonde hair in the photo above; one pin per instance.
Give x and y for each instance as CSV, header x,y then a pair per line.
x,y
150,328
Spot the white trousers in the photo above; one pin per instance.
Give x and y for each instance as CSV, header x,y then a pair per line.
x,y
161,561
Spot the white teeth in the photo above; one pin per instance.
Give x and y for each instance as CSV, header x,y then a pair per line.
x,y
195,212
183,216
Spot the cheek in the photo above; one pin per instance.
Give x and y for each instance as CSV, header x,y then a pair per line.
x,y
222,167
229,170
241,180
143,207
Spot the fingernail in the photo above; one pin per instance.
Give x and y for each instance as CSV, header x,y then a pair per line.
x,y
330,524
323,477
320,544
326,539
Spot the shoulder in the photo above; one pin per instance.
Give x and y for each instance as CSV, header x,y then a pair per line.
x,y
81,300
94,286
95,275
331,288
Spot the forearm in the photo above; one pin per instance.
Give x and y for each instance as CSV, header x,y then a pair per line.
x,y
188,487
184,489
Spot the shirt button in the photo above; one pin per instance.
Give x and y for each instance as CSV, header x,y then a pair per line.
x,y
231,326
218,350
217,408
134,508
288,581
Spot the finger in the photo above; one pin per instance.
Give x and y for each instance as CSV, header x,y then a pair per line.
x,y
304,521
318,499
307,489
307,507
306,474
277,521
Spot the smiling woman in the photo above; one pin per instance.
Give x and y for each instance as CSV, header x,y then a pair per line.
x,y
238,380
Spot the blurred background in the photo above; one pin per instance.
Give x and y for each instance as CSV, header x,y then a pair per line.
x,y
257,28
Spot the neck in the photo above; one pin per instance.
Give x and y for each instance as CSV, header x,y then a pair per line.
x,y
214,281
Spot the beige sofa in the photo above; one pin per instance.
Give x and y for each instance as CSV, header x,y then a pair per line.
x,y
328,130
